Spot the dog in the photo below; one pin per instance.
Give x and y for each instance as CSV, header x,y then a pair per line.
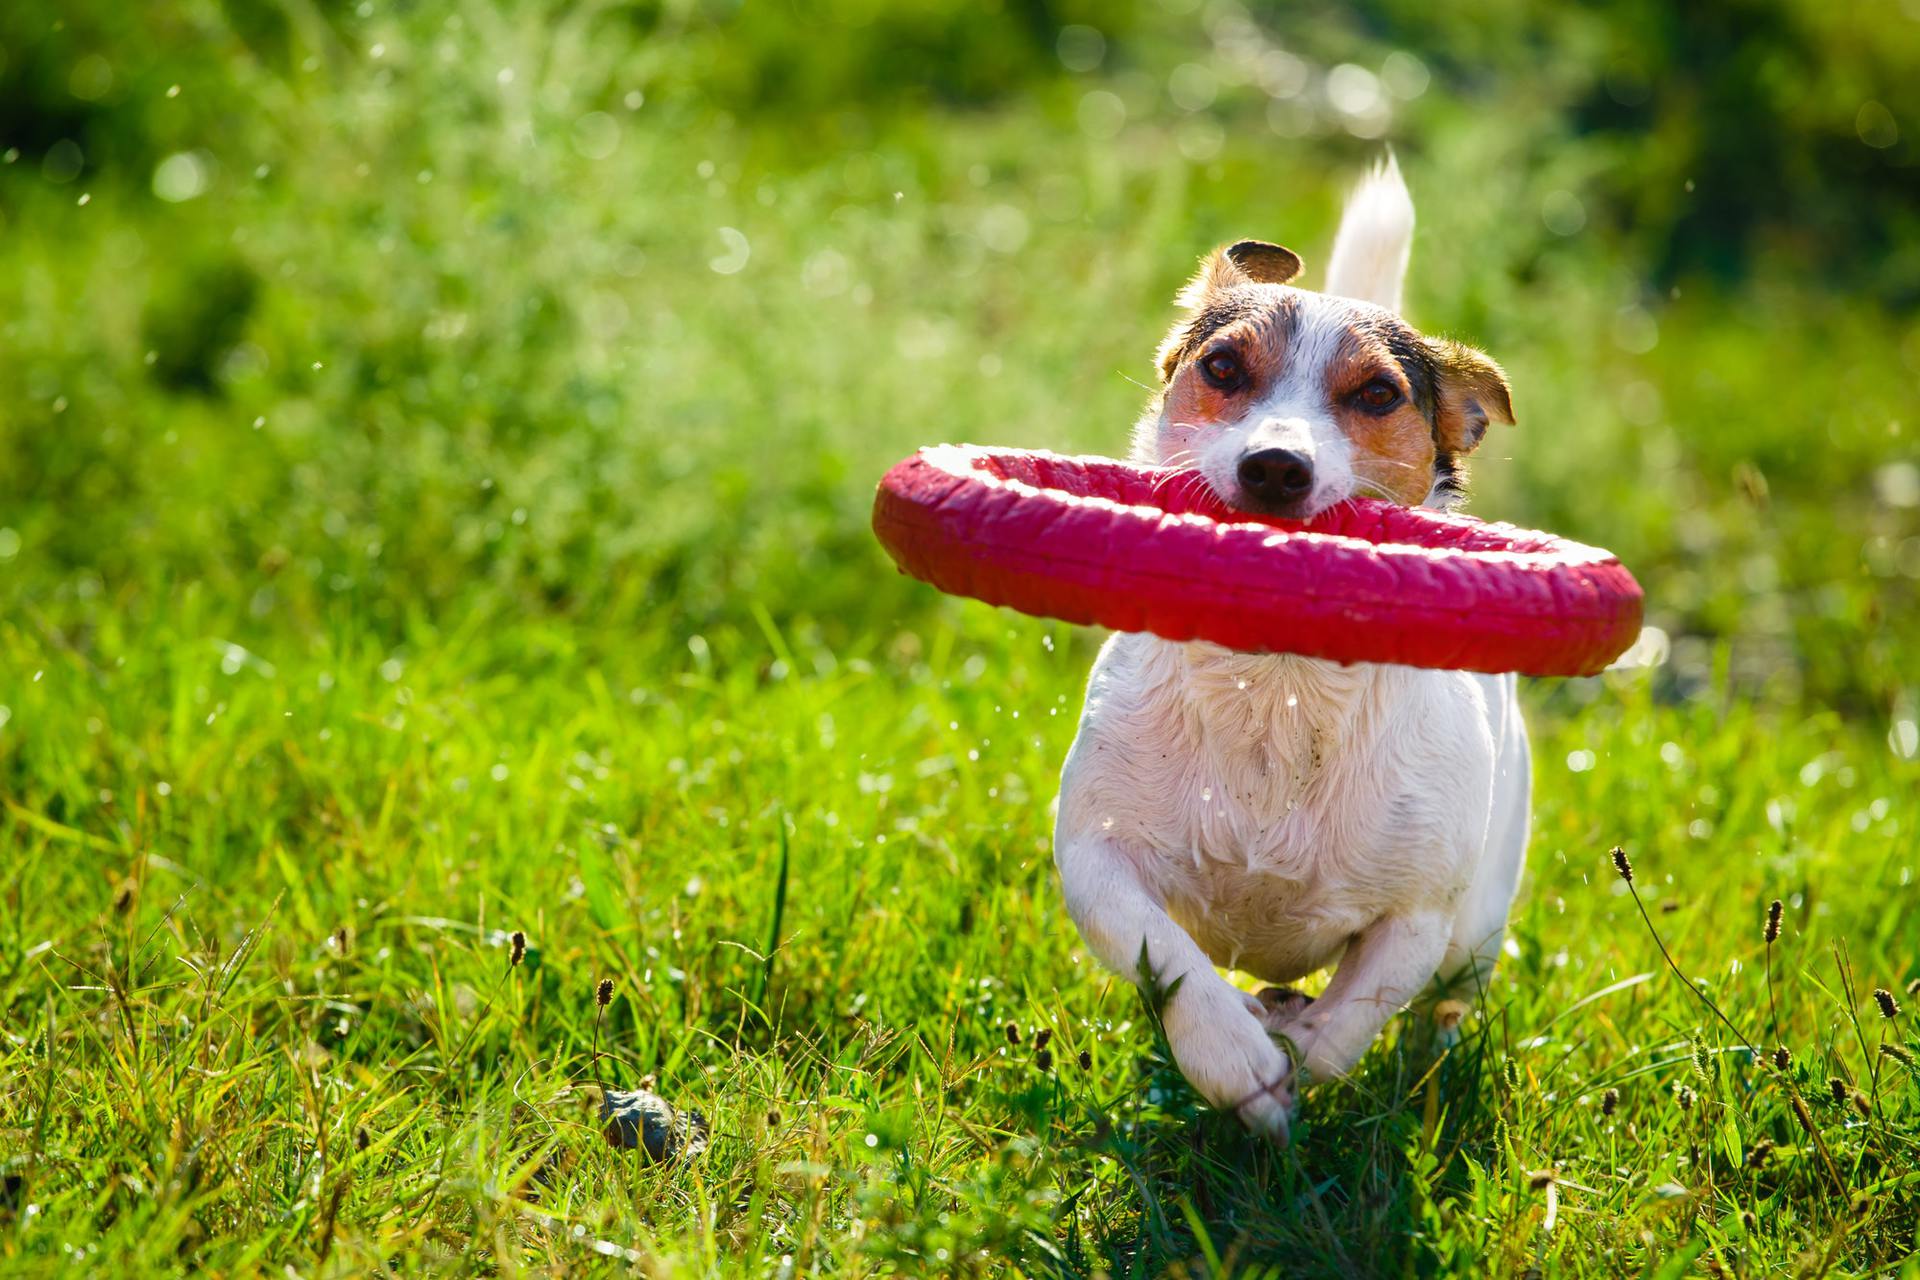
x,y
1275,814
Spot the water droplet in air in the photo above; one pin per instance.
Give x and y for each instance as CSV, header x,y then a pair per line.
x,y
182,176
734,260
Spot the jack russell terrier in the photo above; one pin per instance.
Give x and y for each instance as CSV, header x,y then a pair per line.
x,y
1276,814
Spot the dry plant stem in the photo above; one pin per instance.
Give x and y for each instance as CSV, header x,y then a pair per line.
x,y
1698,994
594,1067
1843,965
485,1009
1773,1006
1819,1144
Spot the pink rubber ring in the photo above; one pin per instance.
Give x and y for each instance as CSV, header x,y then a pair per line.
x,y
1106,543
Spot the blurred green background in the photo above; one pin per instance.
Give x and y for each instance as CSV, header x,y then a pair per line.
x,y
436,446
612,313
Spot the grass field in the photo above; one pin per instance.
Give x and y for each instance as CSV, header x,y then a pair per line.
x,y
435,449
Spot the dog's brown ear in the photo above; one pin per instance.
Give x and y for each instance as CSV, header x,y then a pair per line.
x,y
1243,262
1264,263
1471,392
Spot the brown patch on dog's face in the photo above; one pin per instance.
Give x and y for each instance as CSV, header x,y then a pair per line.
x,y
1225,356
1381,390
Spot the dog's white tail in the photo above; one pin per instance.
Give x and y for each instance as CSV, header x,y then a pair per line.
x,y
1370,250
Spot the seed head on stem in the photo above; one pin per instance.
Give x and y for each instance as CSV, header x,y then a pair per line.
x,y
1620,864
602,997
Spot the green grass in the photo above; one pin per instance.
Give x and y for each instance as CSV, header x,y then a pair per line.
x,y
411,540
194,1050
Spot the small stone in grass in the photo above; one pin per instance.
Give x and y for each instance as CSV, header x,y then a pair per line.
x,y
643,1121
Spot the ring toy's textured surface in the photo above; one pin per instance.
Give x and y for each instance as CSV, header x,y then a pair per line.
x,y
1096,541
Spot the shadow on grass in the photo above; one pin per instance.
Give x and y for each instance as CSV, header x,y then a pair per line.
x,y
1175,1188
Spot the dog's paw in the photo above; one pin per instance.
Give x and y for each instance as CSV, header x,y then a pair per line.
x,y
1269,1112
1277,1007
1226,1055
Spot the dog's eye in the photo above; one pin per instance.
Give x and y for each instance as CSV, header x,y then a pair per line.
x,y
1222,369
1378,394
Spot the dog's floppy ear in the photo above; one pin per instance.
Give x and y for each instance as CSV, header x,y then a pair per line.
x,y
1471,392
1264,263
1242,262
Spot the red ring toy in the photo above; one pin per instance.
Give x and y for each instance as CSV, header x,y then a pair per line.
x,y
1095,541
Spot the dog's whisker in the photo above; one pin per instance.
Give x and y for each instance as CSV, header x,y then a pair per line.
x,y
1168,481
1368,489
1197,488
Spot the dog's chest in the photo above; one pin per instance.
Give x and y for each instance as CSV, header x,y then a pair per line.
x,y
1267,801
1272,869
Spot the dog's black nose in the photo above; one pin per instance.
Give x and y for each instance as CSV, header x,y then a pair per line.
x,y
1275,475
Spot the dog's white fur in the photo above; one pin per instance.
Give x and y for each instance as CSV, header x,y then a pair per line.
x,y
1375,239
1276,814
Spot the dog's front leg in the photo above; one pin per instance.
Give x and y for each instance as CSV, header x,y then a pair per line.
x,y
1217,1039
1384,968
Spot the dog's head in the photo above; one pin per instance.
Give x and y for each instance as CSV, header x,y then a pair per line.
x,y
1289,401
